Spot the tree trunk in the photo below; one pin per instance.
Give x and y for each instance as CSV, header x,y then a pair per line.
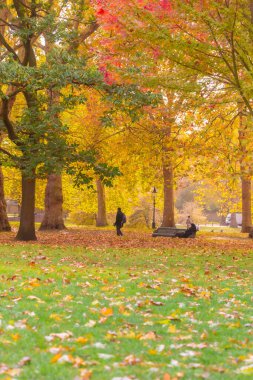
x,y
223,220
168,208
233,221
101,220
245,136
246,204
4,223
53,218
251,10
27,223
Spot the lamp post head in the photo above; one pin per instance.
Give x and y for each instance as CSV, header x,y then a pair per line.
x,y
154,191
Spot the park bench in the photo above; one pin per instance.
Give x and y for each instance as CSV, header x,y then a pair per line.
x,y
169,232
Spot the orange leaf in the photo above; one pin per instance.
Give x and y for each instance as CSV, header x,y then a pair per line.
x,y
55,358
82,340
106,312
15,337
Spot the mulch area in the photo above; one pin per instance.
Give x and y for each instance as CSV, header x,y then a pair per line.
x,y
131,239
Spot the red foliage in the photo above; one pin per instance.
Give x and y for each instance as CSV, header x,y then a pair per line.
x,y
166,4
108,76
112,14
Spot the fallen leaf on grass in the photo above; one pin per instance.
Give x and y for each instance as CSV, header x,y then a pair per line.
x,y
15,337
197,345
85,374
105,356
106,312
17,299
55,350
62,358
172,329
246,370
34,282
99,345
5,370
62,336
188,354
34,298
82,340
131,360
30,313
151,335
68,298
13,372
156,303
40,257
26,360
90,323
56,317
66,358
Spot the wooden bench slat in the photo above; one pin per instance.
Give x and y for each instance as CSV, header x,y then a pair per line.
x,y
167,231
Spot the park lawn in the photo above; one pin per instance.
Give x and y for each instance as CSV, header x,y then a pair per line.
x,y
76,313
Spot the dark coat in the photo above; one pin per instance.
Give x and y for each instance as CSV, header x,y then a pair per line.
x,y
191,231
119,219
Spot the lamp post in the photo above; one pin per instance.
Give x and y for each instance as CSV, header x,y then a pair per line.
x,y
154,192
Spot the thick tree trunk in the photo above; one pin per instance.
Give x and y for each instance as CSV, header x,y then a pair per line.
x,y
168,208
4,223
233,221
246,205
245,136
53,218
101,220
27,223
251,10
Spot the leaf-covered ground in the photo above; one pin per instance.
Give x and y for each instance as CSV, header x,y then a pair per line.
x,y
182,311
97,238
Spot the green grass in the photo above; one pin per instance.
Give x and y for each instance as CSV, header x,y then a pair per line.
x,y
188,314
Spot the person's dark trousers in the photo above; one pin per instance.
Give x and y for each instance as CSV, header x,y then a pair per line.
x,y
180,235
119,233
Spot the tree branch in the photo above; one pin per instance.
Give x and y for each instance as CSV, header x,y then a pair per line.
x,y
9,126
7,153
9,48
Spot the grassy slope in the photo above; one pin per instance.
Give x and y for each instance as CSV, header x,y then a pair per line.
x,y
202,328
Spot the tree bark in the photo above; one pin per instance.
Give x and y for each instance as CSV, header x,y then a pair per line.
x,y
4,223
246,204
233,221
168,208
101,220
27,222
53,218
251,10
245,137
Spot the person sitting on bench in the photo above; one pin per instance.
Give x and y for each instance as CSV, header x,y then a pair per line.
x,y
191,232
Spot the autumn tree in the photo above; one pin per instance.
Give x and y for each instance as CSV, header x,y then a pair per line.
x,y
82,24
38,139
209,40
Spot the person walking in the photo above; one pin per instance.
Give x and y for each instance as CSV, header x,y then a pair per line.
x,y
120,220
